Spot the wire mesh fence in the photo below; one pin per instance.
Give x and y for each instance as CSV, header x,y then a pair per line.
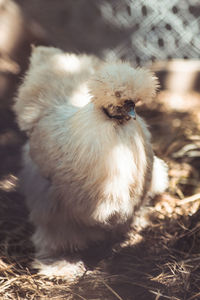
x,y
155,29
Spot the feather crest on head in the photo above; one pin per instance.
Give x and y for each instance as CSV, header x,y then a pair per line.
x,y
116,82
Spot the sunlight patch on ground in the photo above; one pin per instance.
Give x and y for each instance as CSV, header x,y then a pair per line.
x,y
8,183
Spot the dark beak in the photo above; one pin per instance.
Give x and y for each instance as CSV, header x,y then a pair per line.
x,y
129,106
132,113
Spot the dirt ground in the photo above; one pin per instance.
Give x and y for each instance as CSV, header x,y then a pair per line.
x,y
160,262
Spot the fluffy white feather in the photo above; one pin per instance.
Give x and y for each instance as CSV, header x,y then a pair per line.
x,y
86,170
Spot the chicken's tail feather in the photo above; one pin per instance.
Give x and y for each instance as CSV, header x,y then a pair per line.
x,y
51,78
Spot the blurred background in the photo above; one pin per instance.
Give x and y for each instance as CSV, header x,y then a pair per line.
x,y
141,31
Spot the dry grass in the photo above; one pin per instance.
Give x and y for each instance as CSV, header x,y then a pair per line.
x,y
160,262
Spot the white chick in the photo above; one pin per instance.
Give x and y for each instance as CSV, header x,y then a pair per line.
x,y
88,165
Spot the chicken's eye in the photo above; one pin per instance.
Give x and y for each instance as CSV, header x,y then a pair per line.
x,y
118,94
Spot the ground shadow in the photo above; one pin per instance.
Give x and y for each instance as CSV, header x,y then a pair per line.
x,y
161,266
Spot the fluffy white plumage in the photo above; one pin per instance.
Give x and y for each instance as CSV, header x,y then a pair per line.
x,y
87,166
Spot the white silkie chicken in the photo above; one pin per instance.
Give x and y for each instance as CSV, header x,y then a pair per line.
x,y
88,165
